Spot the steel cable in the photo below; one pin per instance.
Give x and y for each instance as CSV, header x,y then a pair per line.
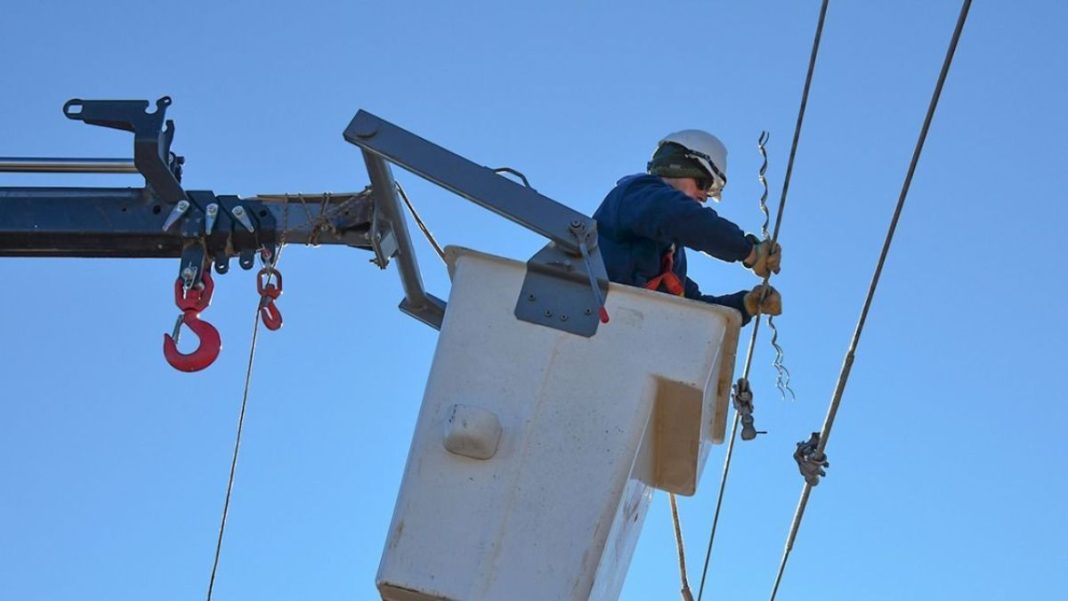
x,y
422,226
774,237
847,363
275,255
237,447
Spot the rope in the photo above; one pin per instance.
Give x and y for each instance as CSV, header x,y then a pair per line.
x,y
774,237
685,590
847,364
330,205
422,226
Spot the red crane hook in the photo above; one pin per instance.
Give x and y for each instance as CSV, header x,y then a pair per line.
x,y
192,302
269,292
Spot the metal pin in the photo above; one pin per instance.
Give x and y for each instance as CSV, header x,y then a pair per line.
x,y
189,276
176,214
242,217
212,212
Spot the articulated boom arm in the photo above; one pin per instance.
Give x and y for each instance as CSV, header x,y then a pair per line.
x,y
163,220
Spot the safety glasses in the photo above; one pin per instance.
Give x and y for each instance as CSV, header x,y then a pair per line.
x,y
711,187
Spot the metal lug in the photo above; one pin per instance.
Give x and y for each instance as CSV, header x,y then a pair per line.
x,y
247,260
212,212
176,214
241,215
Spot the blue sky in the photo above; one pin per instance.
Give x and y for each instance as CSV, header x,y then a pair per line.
x,y
948,474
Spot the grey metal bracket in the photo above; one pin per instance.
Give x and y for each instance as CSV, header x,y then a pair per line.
x,y
566,282
152,143
383,242
556,293
389,218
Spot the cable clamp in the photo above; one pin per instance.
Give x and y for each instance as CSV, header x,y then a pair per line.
x,y
810,460
742,396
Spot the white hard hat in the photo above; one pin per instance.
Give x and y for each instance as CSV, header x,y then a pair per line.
x,y
707,151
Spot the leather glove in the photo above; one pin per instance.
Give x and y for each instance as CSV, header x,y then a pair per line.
x,y
771,305
765,257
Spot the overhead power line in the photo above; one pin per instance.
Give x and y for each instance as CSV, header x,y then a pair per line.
x,y
847,364
775,236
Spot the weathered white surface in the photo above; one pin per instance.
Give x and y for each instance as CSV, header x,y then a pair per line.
x,y
472,432
588,425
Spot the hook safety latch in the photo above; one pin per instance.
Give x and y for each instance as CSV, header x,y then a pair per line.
x,y
811,460
269,292
192,300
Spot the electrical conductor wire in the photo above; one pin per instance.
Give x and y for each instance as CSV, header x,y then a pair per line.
x,y
847,363
775,236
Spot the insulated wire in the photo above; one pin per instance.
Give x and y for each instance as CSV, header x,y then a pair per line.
x,y
847,363
774,237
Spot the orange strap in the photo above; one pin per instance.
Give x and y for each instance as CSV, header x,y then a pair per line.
x,y
667,276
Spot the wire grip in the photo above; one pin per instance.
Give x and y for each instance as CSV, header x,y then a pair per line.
x,y
742,396
811,460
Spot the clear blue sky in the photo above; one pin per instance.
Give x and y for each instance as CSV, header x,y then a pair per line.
x,y
948,474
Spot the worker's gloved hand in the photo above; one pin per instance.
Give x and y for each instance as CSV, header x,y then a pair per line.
x,y
765,257
770,305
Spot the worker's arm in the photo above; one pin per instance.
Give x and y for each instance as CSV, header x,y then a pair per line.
x,y
734,301
653,209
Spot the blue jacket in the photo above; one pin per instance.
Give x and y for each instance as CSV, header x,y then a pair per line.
x,y
642,217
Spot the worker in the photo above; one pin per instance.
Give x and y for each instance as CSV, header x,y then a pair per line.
x,y
647,220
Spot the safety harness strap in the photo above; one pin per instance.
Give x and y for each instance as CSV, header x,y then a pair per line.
x,y
667,277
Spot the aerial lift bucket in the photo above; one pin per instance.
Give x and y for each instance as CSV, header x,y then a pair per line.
x,y
536,451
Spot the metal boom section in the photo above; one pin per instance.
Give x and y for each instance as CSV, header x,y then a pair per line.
x,y
566,281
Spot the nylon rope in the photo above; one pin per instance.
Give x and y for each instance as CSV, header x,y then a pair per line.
x,y
847,363
775,236
685,590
